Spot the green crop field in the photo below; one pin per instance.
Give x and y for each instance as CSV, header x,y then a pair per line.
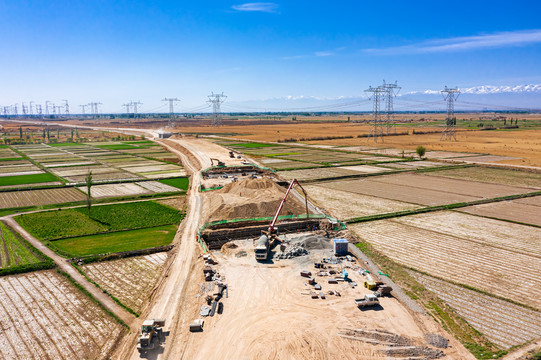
x,y
117,242
252,145
180,182
134,215
13,250
56,224
27,179
64,144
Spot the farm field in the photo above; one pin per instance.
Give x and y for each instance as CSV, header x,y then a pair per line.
x,y
13,250
345,205
117,241
514,210
130,280
44,316
489,255
116,190
57,224
492,175
424,189
39,197
328,172
36,178
503,323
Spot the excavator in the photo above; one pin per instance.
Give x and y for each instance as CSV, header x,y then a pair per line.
x,y
267,238
218,162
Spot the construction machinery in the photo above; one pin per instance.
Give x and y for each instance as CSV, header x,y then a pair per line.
x,y
151,330
218,162
267,238
232,154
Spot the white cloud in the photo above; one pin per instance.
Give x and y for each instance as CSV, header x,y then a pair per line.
x,y
257,7
323,53
489,89
496,40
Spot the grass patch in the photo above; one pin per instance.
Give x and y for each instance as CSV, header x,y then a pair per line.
x,y
252,145
118,241
179,182
27,179
10,159
141,142
67,223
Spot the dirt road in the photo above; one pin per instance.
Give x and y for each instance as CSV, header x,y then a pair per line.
x,y
170,294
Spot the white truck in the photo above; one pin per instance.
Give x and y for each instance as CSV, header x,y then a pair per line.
x,y
261,248
368,300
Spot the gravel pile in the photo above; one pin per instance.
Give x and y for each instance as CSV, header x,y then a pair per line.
x,y
291,252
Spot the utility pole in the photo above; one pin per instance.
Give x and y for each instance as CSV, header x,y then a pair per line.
x,y
66,107
450,95
377,93
216,100
391,91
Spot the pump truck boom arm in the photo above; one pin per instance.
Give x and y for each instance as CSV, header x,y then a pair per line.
x,y
293,182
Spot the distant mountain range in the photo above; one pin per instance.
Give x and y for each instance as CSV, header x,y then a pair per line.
x,y
478,98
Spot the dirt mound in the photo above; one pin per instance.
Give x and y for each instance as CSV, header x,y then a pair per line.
x,y
312,242
250,198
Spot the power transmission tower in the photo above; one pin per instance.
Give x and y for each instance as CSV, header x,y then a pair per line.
x,y
66,107
30,107
94,109
127,106
83,107
171,110
24,109
450,95
47,102
134,104
216,100
376,96
391,91
38,109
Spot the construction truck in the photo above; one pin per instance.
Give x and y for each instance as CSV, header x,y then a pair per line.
x,y
267,238
151,330
368,300
261,248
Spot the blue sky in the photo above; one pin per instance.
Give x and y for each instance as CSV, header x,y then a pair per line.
x,y
119,51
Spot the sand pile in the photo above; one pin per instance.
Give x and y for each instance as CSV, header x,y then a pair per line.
x,y
312,242
250,198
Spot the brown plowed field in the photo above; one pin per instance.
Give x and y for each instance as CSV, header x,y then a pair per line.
x,y
44,316
39,197
513,326
490,255
345,205
423,189
492,175
130,280
513,210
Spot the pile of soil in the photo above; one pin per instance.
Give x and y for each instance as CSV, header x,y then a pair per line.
x,y
250,198
312,242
